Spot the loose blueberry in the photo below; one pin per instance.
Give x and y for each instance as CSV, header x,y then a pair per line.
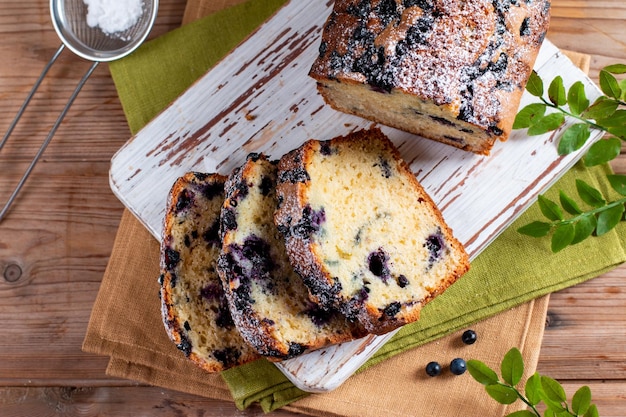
x,y
468,337
433,369
458,366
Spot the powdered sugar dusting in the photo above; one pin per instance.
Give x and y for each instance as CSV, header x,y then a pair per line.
x,y
113,16
465,55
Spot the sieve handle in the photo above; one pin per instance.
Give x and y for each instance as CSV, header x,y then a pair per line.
x,y
45,143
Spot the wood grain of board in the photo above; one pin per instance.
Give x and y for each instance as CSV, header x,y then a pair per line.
x,y
57,239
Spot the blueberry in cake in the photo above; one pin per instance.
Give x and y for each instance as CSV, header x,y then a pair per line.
x,y
362,232
269,302
193,304
449,70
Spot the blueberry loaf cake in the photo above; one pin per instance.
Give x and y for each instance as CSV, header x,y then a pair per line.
x,y
362,232
194,307
268,300
449,70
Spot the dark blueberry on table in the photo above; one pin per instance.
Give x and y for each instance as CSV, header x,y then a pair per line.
x,y
433,369
468,337
458,366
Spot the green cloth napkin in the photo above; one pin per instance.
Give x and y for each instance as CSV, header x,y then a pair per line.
x,y
512,270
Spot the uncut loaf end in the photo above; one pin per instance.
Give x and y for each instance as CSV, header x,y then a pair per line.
x,y
449,70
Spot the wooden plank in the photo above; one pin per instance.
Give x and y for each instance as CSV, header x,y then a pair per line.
x,y
156,402
586,324
114,402
61,233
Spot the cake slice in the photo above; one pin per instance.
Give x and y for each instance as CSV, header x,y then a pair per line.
x,y
449,70
269,302
362,232
193,304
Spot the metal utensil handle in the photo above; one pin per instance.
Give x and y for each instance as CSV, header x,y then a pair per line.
x,y
45,143
30,95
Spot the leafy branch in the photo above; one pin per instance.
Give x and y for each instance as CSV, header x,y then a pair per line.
x,y
602,217
606,114
537,389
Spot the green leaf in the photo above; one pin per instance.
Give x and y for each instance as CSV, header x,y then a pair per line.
x,y
549,413
563,236
554,394
528,114
581,400
589,195
535,84
512,367
602,151
532,389
481,372
522,413
535,229
577,98
619,131
584,227
618,182
556,91
502,393
550,209
609,218
546,124
601,109
615,69
592,411
609,85
568,203
574,138
617,119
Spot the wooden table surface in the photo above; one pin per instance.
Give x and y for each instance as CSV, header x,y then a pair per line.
x,y
56,240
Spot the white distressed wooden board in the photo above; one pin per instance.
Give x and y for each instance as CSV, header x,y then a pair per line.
x,y
260,98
